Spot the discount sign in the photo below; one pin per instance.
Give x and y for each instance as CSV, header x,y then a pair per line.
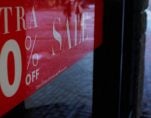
x,y
38,40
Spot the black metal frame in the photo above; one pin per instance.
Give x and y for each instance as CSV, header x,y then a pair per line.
x,y
119,61
107,61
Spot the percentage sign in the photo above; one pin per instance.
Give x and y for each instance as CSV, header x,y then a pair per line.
x,y
30,47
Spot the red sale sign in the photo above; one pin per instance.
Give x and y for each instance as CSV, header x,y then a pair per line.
x,y
38,40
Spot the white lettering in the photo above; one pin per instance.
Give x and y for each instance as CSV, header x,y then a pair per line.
x,y
6,10
20,17
10,89
76,32
83,28
68,34
33,19
57,35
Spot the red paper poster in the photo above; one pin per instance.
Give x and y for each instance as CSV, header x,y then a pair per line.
x,y
38,40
